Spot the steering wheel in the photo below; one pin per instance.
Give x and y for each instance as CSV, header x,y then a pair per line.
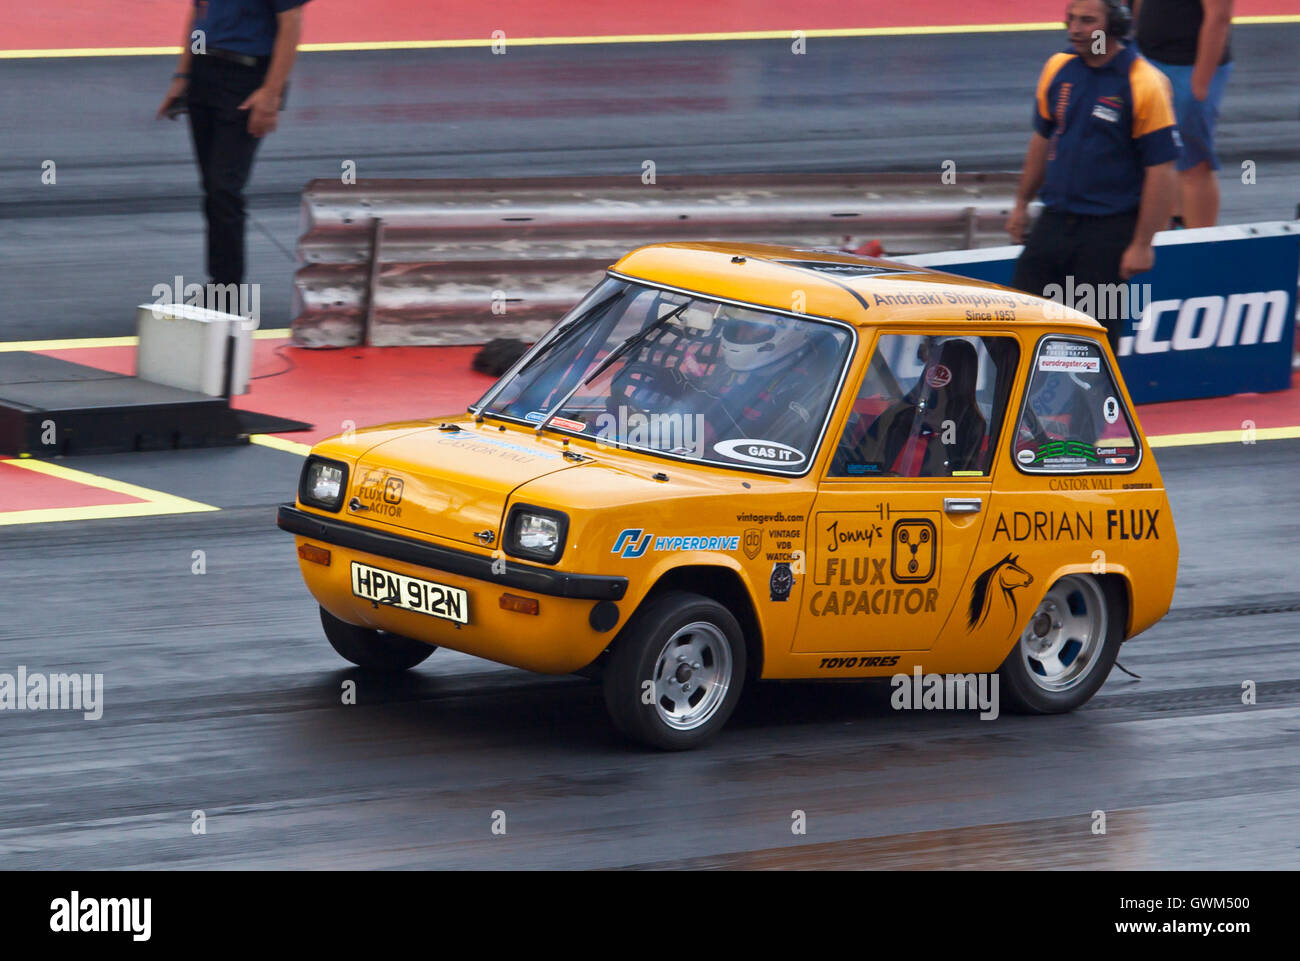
x,y
639,379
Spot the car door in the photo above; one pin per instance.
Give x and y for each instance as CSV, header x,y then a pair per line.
x,y
900,510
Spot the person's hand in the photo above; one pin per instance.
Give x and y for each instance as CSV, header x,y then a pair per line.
x,y
1200,88
177,89
1017,222
262,106
1138,258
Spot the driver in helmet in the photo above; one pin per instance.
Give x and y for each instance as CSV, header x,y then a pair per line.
x,y
760,370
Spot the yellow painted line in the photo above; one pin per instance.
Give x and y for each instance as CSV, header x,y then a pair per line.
x,y
155,502
684,37
88,52
917,31
69,344
53,515
279,443
76,343
1222,437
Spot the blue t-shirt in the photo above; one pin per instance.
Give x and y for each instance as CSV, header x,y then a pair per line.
x,y
1105,125
244,26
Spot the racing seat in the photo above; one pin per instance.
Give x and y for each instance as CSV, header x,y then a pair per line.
x,y
907,439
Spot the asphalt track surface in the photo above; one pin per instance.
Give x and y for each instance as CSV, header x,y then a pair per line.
x,y
123,214
222,696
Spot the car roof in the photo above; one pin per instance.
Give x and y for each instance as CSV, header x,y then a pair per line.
x,y
864,291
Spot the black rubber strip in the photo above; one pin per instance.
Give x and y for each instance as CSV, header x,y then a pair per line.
x,y
538,580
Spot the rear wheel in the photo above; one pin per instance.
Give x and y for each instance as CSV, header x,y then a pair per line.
x,y
675,673
371,649
1066,651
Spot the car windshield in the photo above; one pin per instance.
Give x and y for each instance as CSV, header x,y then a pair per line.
x,y
675,374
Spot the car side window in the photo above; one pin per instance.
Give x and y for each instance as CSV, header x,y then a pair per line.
x,y
929,406
1074,419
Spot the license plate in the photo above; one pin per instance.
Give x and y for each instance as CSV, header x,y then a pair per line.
x,y
410,593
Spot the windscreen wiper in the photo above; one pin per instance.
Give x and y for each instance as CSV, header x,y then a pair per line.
x,y
633,341
541,349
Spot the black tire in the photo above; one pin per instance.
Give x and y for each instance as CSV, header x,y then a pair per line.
x,y
373,650
1024,688
710,662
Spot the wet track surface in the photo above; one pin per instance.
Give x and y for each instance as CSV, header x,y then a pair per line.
x,y
222,695
124,213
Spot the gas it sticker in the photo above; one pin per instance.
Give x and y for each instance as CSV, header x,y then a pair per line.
x,y
1025,456
766,452
1110,410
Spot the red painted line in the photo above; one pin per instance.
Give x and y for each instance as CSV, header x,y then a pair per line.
x,y
24,490
151,23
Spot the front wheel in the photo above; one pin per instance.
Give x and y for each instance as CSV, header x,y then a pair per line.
x,y
675,673
1066,651
371,649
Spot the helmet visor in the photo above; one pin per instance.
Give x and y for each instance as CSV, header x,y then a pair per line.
x,y
747,331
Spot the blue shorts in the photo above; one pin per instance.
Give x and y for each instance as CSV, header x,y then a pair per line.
x,y
1196,118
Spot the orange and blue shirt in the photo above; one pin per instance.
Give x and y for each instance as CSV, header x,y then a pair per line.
x,y
1105,125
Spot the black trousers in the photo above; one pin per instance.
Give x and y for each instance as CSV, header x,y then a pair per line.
x,y
1089,249
224,150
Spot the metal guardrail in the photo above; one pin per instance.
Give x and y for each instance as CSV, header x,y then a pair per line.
x,y
416,262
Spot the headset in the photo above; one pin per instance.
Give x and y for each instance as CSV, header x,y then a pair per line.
x,y
1119,18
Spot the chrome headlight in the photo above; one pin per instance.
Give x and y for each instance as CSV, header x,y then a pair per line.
x,y
323,483
536,533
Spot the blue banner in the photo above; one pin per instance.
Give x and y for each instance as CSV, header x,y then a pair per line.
x,y
1215,316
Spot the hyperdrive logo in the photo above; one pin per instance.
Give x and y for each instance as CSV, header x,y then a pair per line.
x,y
634,542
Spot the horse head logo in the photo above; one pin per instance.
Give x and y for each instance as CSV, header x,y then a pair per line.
x,y
1003,579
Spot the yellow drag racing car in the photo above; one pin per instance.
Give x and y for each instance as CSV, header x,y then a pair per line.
x,y
732,462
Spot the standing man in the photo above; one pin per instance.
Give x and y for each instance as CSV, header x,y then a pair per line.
x,y
232,73
1102,153
1188,41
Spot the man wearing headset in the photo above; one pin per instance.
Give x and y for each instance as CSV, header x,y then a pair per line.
x,y
1102,154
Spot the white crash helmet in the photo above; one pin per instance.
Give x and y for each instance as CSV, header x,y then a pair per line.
x,y
750,339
